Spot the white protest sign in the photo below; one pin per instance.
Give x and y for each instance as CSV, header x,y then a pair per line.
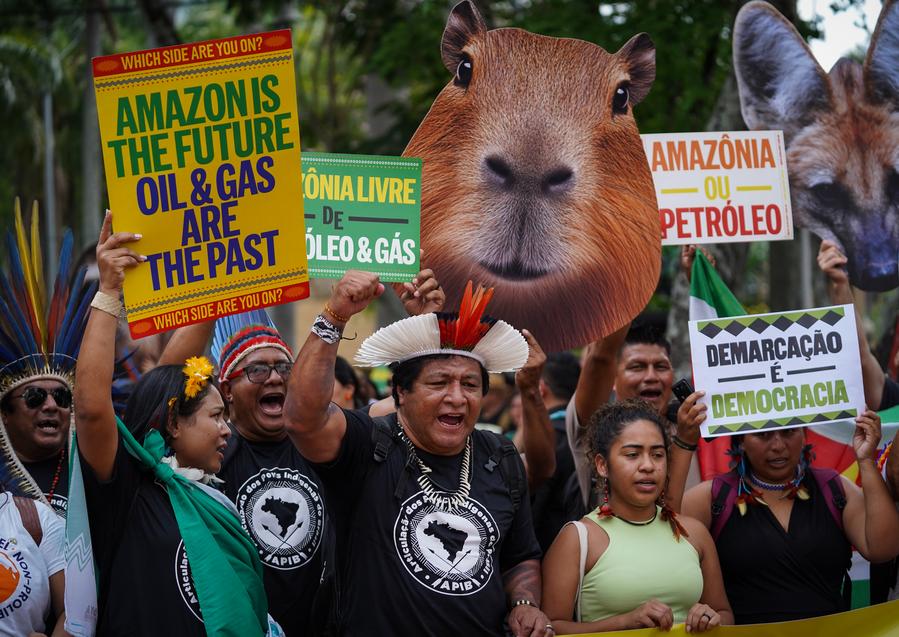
x,y
777,371
721,187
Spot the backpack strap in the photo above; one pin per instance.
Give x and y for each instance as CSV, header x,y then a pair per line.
x,y
383,438
505,456
30,520
724,494
830,484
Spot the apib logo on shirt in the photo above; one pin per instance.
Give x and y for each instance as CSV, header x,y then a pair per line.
x,y
13,572
283,512
447,552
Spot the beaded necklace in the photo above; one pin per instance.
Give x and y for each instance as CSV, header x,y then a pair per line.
x,y
439,498
62,457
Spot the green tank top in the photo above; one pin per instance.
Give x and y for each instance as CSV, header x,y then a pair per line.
x,y
641,563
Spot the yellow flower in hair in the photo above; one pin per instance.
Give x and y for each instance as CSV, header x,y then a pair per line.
x,y
198,369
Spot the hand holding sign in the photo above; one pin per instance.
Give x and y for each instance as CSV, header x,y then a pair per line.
x,y
113,258
867,435
422,295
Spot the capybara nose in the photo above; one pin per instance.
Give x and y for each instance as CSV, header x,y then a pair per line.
x,y
499,172
555,181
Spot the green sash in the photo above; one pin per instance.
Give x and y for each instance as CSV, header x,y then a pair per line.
x,y
224,563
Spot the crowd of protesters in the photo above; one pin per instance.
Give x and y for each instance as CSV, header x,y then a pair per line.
x,y
497,490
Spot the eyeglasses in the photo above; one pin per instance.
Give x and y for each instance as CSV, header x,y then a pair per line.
x,y
34,397
259,372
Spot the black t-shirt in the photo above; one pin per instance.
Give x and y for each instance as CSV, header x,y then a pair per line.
x,y
890,396
548,504
44,472
281,506
408,568
146,587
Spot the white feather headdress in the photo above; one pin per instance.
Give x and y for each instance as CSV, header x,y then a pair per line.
x,y
496,345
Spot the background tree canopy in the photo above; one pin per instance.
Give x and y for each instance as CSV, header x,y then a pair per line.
x,y
367,72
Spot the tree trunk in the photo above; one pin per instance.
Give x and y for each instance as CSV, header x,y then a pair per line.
x,y
91,166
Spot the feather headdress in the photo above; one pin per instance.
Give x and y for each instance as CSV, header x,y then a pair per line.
x,y
40,335
237,335
496,345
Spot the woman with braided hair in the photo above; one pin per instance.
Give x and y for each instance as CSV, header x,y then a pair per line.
x,y
632,563
784,530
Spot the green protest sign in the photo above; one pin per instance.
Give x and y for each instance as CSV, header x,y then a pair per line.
x,y
362,212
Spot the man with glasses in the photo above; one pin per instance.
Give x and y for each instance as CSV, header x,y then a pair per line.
x,y
36,416
277,495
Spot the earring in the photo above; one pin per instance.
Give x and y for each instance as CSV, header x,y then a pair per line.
x,y
606,509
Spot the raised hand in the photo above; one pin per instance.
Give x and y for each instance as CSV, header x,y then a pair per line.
x,y
114,257
867,435
528,377
422,295
352,294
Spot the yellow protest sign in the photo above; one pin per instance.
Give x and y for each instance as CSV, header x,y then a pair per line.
x,y
881,620
201,144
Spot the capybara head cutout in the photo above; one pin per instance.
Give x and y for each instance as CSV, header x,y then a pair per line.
x,y
841,131
535,181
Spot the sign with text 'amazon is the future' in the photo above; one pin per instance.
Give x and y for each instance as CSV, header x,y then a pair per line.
x,y
720,187
777,371
363,212
201,144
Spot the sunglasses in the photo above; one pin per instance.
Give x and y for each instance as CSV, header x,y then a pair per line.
x,y
259,372
34,397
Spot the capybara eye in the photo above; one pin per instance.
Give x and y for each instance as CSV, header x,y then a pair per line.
x,y
463,72
619,100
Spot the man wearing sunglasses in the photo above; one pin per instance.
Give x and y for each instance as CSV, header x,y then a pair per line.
x,y
36,416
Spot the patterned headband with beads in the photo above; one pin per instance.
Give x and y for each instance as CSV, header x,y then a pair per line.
x,y
237,335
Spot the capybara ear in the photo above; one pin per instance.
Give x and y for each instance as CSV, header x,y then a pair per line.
x,y
882,62
781,84
639,54
463,24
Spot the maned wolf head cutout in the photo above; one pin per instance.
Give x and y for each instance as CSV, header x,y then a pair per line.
x,y
841,131
535,181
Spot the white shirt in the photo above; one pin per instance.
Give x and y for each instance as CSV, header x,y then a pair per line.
x,y
25,568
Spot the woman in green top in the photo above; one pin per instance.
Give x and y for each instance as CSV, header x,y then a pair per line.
x,y
631,563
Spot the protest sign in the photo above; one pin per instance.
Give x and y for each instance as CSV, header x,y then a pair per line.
x,y
201,146
362,212
835,122
777,371
720,187
535,182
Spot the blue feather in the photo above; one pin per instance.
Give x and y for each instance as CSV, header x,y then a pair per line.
x,y
71,306
17,320
60,288
75,328
228,326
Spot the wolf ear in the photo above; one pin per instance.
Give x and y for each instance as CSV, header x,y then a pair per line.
x,y
464,24
639,54
781,84
882,62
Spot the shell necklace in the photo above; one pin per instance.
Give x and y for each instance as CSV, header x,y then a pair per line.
x,y
439,498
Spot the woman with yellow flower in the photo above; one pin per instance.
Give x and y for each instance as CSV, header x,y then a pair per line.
x,y
172,556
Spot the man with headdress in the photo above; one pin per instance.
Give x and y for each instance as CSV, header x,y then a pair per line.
x,y
432,515
39,342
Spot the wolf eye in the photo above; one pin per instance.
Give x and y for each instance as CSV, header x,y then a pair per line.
x,y
893,186
463,71
620,99
832,195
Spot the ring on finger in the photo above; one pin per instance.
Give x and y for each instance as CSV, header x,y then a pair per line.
x,y
550,627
